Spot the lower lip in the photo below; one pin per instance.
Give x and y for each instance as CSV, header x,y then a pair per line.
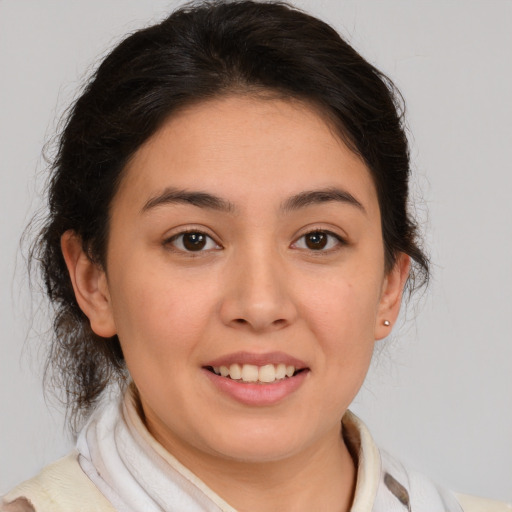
x,y
257,394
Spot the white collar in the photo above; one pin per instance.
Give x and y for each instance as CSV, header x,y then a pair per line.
x,y
135,472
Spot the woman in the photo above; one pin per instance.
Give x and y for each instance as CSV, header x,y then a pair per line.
x,y
228,237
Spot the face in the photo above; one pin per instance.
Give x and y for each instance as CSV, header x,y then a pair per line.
x,y
245,278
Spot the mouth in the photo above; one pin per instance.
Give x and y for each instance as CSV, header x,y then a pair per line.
x,y
254,374
257,379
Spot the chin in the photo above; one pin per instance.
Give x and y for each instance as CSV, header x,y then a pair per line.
x,y
257,443
264,451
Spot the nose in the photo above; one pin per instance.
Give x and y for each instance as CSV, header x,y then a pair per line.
x,y
257,295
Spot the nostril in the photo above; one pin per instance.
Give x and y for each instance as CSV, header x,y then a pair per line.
x,y
275,324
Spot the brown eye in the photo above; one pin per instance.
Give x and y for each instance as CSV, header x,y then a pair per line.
x,y
319,241
316,240
193,241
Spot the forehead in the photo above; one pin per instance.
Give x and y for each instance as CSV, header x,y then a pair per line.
x,y
241,147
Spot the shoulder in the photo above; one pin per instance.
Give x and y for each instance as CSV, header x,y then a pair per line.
x,y
419,493
384,484
60,487
474,504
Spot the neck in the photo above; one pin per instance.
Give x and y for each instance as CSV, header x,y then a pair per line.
x,y
321,477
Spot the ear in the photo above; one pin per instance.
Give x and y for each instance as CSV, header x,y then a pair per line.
x,y
89,284
391,296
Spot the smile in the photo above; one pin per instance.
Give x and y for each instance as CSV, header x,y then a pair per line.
x,y
257,379
252,373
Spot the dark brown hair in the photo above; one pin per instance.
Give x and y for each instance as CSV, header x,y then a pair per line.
x,y
202,51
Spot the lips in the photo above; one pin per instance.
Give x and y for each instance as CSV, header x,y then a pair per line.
x,y
257,379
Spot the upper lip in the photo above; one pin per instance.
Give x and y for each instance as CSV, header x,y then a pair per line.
x,y
258,359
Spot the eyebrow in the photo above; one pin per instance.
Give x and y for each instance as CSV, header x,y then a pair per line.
x,y
205,200
200,199
313,197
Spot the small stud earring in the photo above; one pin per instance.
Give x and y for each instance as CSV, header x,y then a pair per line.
x,y
387,323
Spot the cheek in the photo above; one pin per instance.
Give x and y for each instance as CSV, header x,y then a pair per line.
x,y
342,319
160,316
342,315
343,306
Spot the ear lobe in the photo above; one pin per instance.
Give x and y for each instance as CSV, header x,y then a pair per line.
x,y
89,284
391,297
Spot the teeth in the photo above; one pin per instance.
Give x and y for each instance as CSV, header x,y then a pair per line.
x,y
252,373
281,371
249,373
235,371
267,373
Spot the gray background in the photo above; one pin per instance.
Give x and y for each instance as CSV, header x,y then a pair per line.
x,y
439,394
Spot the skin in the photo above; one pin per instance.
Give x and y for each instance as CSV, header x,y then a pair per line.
x,y
255,287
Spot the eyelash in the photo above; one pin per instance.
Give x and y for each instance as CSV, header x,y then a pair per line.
x,y
183,249
331,237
